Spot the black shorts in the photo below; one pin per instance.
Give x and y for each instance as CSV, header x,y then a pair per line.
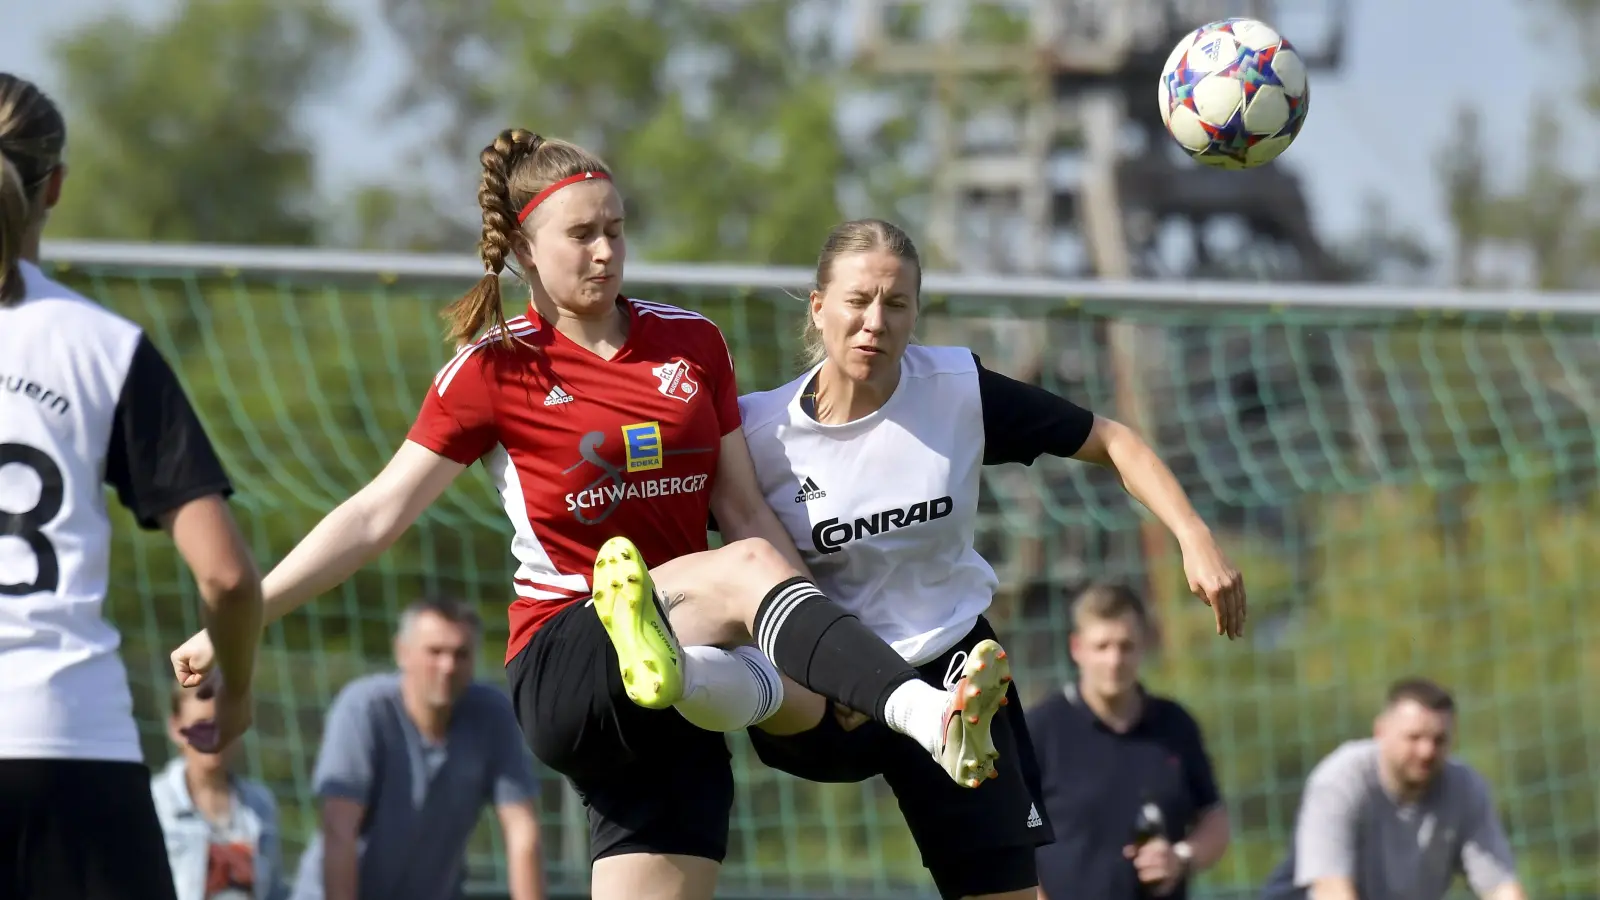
x,y
652,782
1004,818
84,829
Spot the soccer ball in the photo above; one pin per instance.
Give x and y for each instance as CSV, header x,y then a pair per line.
x,y
1234,94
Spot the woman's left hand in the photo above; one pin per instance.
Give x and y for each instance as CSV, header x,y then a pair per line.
x,y
1217,582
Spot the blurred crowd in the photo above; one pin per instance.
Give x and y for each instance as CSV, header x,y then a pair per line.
x,y
409,758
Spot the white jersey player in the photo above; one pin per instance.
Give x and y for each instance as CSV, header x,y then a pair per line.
x,y
872,460
86,401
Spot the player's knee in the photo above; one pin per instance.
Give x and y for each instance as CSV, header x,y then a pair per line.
x,y
755,564
723,586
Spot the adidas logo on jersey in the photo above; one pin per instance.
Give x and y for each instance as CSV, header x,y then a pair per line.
x,y
809,491
1034,820
557,396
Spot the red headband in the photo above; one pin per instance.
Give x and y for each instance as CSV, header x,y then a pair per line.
x,y
540,197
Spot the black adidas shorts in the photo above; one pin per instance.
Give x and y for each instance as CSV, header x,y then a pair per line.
x,y
652,782
80,829
973,840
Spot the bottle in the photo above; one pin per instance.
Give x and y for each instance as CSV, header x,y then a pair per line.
x,y
1148,825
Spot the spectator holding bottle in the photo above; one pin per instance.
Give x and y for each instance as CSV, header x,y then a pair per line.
x,y
1126,779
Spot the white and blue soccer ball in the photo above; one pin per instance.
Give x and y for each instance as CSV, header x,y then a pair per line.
x,y
1234,94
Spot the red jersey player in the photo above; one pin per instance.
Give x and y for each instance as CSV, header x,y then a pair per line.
x,y
585,446
611,429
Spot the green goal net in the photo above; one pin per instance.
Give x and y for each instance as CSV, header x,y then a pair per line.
x,y
1407,491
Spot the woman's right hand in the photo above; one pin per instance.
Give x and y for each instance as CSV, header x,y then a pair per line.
x,y
193,659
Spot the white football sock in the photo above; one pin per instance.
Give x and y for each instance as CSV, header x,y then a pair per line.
x,y
728,690
916,710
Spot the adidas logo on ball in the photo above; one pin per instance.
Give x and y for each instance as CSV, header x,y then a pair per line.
x,y
1233,94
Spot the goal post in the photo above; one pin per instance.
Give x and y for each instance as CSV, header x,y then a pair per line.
x,y
1409,479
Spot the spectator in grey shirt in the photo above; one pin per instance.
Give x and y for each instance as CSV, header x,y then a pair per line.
x,y
1394,817
407,763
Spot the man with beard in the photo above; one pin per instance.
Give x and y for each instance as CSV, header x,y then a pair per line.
x,y
408,761
1393,817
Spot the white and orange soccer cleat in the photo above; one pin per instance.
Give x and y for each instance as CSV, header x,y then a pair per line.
x,y
967,753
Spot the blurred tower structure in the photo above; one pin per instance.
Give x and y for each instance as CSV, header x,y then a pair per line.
x,y
1050,159
1049,153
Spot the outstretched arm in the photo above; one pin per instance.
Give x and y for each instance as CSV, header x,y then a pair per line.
x,y
455,427
1117,447
355,533
1211,576
359,529
1022,422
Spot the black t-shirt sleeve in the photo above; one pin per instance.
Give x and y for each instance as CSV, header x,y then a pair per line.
x,y
1045,720
1021,422
159,457
1199,777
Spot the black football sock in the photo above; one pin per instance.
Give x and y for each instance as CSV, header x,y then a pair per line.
x,y
817,643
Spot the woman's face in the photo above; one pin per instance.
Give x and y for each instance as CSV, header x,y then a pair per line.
x,y
867,314
575,247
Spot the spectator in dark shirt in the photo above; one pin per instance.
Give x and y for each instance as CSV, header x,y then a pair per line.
x,y
1106,749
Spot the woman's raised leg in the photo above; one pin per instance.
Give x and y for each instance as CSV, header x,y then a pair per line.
x,y
747,589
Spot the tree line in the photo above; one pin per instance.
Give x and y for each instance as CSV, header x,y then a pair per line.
x,y
724,117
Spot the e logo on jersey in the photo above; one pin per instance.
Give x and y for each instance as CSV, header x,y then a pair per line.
x,y
642,443
676,382
830,535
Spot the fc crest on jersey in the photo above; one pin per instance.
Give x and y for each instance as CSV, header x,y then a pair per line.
x,y
676,380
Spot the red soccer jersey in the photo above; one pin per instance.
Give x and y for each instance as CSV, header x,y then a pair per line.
x,y
583,449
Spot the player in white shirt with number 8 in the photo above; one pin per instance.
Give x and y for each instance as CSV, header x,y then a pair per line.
x,y
85,401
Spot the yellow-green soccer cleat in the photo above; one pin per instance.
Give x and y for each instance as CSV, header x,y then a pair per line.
x,y
968,753
648,653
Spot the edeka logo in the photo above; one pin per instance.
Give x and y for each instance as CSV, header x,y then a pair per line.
x,y
830,535
643,450
642,442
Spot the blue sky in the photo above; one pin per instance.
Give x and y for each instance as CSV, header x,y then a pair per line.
x,y
1375,126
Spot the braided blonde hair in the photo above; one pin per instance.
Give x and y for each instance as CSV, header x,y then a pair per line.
x,y
518,165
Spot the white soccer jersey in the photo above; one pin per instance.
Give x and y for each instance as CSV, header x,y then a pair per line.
x,y
883,509
85,400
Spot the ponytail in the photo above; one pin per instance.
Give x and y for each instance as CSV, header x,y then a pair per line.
x,y
482,307
32,136
477,309
14,222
